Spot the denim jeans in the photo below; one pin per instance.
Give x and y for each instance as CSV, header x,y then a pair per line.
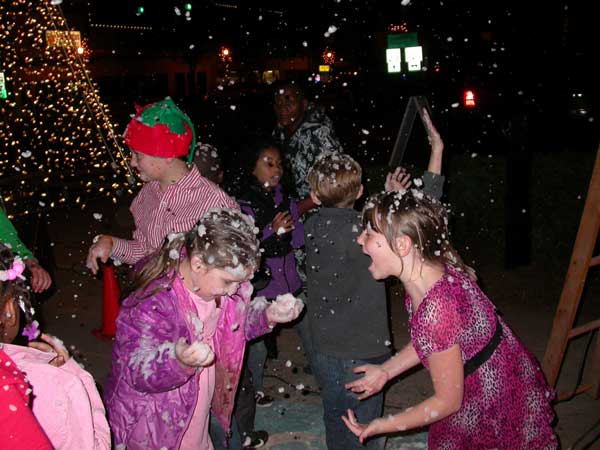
x,y
217,435
332,374
302,327
257,356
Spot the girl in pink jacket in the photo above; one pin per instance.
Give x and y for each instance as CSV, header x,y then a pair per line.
x,y
181,336
65,400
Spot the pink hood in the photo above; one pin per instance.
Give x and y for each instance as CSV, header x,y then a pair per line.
x,y
65,400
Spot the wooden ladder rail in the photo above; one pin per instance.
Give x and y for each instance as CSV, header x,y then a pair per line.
x,y
581,260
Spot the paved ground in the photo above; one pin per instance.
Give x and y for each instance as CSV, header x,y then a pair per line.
x,y
294,421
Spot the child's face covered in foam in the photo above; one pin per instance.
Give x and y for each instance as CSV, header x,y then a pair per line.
x,y
210,283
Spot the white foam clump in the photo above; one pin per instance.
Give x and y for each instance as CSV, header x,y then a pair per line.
x,y
239,271
142,357
196,323
172,236
259,303
203,351
286,307
174,254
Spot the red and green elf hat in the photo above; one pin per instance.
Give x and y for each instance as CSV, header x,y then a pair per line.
x,y
161,129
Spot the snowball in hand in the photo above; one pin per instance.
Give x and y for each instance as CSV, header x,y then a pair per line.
x,y
285,308
195,355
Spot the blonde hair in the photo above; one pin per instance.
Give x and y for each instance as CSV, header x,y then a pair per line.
x,y
335,179
423,219
222,238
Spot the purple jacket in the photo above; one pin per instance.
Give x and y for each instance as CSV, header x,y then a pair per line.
x,y
278,253
150,397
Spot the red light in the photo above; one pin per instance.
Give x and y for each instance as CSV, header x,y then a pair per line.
x,y
469,99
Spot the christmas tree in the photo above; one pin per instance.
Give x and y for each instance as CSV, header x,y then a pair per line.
x,y
58,146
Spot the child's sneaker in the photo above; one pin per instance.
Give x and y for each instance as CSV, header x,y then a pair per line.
x,y
256,439
263,400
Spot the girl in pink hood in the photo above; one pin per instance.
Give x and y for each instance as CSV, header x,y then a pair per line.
x,y
63,396
181,336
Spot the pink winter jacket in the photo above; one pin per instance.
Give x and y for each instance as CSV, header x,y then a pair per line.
x,y
65,400
149,395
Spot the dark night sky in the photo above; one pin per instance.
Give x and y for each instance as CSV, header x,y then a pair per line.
x,y
495,41
294,22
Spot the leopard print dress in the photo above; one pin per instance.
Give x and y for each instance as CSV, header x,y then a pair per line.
x,y
506,402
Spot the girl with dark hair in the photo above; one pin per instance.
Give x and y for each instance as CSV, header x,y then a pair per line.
x,y
67,404
181,335
281,234
489,391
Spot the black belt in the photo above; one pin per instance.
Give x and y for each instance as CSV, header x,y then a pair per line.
x,y
484,354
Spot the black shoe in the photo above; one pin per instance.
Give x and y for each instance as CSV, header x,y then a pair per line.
x,y
263,400
256,439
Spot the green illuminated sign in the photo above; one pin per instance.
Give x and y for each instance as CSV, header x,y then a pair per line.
x,y
402,40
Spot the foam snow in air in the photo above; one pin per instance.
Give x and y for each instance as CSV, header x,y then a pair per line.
x,y
332,29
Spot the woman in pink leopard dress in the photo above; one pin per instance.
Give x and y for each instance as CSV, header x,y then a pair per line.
x,y
489,391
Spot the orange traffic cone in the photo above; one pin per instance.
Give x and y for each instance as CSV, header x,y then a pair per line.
x,y
110,304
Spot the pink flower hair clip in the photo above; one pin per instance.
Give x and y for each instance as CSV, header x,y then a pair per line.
x,y
15,271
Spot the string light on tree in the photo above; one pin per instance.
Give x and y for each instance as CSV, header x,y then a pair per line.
x,y
58,145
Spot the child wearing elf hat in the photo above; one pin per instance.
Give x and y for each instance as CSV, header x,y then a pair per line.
x,y
175,195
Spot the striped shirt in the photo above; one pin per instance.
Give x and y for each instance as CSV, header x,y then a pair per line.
x,y
157,213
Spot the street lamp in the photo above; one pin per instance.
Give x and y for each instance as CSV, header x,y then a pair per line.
x,y
328,57
225,54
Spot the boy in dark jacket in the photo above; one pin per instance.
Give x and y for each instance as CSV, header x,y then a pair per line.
x,y
346,308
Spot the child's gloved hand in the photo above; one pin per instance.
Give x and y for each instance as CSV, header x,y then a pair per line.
x,y
284,309
52,344
197,354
